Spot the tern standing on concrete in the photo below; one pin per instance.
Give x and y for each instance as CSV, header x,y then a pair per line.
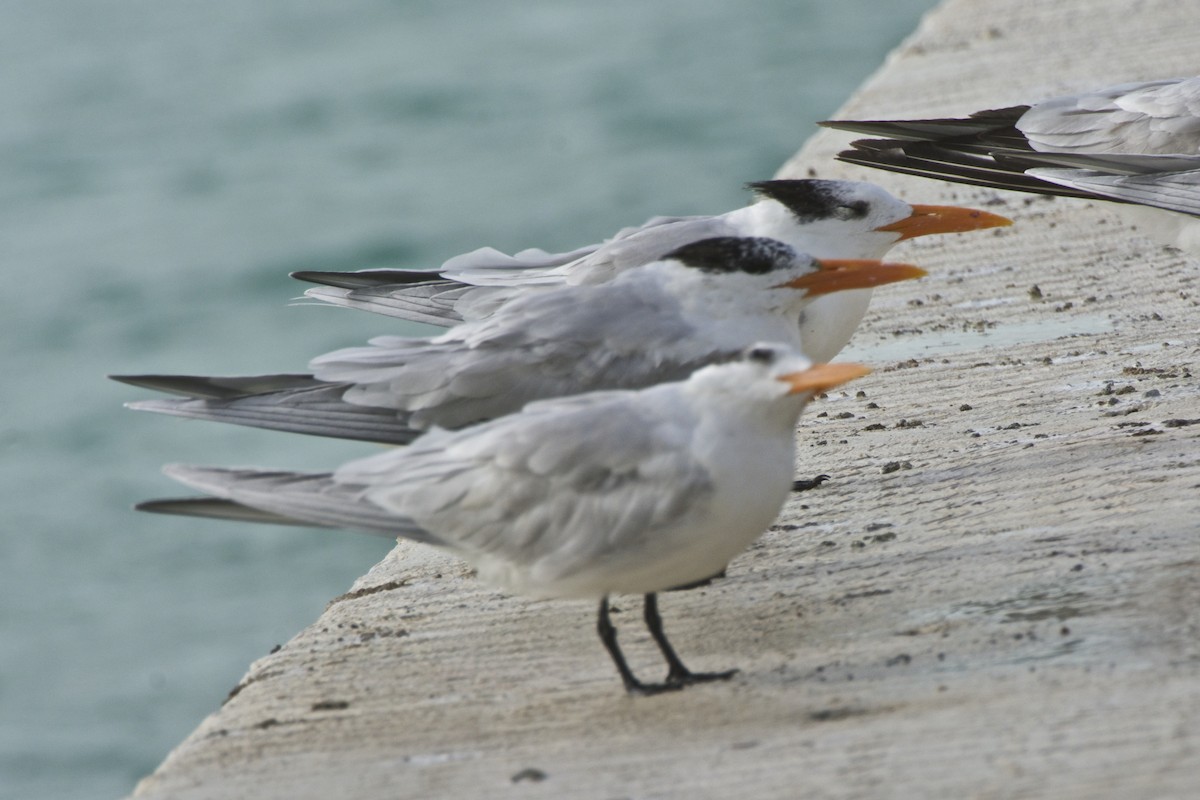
x,y
578,497
823,218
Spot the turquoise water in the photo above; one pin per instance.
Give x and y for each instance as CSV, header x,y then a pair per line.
x,y
164,165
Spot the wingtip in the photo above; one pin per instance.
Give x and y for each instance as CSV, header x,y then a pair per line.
x,y
154,506
189,474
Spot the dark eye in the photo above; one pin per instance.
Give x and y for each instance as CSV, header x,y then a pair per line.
x,y
763,355
856,210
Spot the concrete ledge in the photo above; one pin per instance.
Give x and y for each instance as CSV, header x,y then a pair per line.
x,y
997,595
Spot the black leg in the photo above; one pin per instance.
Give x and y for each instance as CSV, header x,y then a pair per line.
x,y
810,483
608,635
678,675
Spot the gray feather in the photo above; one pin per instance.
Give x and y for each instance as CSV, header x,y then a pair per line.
x,y
476,283
533,349
218,388
310,498
1179,191
1133,143
216,508
518,487
367,278
389,302
320,411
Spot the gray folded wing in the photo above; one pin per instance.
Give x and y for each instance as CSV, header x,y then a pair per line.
x,y
366,278
1075,146
489,267
431,296
314,499
549,344
984,129
563,483
219,387
1174,191
432,304
316,408
941,162
1161,116
545,344
217,508
631,247
476,283
1110,163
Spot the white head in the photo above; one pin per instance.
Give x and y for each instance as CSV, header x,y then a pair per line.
x,y
729,275
856,219
770,374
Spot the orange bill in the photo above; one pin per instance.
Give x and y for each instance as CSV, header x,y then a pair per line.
x,y
925,220
823,377
840,274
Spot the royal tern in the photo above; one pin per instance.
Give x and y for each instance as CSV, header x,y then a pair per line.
x,y
824,218
579,497
1136,143
704,303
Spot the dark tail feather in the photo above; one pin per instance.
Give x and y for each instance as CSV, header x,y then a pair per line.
x,y
367,278
216,508
318,411
995,125
940,163
218,388
292,498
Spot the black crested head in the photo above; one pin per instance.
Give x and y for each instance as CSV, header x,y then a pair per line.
x,y
753,254
810,200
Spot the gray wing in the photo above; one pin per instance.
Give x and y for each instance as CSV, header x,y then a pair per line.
x,y
559,485
314,499
632,247
489,259
218,388
433,297
1146,128
317,408
1152,117
445,304
950,163
991,128
365,278
489,267
1177,191
216,508
475,284
432,304
1111,163
553,489
644,245
560,342
1020,171
543,344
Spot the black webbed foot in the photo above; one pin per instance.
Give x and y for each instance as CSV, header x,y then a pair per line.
x,y
687,677
803,485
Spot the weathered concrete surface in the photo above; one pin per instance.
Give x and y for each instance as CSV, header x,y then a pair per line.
x,y
1011,612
